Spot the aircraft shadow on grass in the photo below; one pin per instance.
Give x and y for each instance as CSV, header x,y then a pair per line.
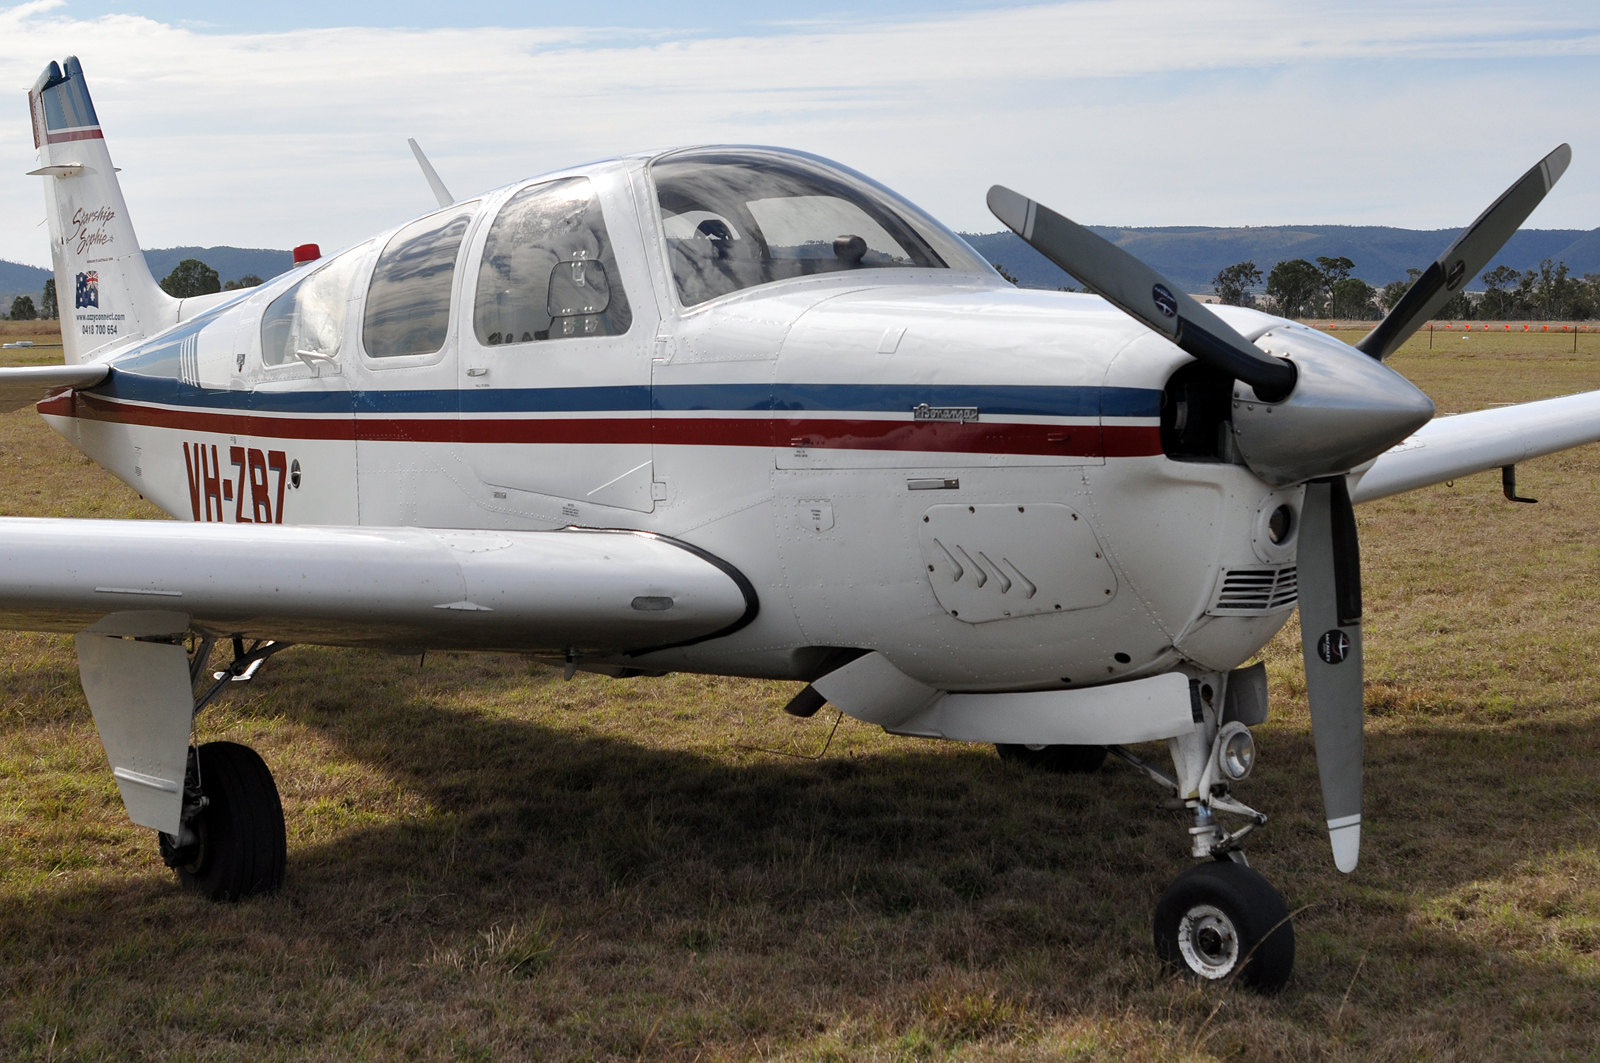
x,y
959,858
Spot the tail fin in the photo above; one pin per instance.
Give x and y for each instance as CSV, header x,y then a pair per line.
x,y
105,289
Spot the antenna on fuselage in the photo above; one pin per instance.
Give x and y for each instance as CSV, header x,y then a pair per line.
x,y
440,192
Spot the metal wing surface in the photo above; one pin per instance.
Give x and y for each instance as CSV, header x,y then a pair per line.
x,y
392,587
24,385
1448,447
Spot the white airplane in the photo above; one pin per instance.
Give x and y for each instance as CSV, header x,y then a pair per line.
x,y
741,411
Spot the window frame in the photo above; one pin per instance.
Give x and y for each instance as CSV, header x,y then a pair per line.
x,y
649,205
615,278
453,324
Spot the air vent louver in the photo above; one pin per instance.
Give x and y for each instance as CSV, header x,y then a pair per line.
x,y
1255,591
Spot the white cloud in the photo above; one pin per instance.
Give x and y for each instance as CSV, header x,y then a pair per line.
x,y
1133,112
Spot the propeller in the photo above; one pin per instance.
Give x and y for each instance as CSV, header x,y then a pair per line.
x,y
1322,411
1464,258
1142,293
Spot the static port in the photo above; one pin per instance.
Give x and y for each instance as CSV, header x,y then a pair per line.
x,y
1280,525
1121,658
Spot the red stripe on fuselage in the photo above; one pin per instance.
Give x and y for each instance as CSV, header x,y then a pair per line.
x,y
995,437
76,134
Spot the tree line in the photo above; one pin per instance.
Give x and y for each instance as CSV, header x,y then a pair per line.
x,y
1298,288
188,278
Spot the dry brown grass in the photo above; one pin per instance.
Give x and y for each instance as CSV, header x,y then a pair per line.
x,y
41,332
489,863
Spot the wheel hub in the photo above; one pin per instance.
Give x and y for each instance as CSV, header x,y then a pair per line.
x,y
1209,942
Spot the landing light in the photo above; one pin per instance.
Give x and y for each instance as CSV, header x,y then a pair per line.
x,y
1236,751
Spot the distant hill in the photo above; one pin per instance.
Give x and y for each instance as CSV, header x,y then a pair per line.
x,y
1192,255
231,263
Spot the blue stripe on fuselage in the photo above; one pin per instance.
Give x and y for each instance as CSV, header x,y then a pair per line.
x,y
1001,400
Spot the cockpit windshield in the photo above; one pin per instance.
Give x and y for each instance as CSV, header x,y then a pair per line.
x,y
735,218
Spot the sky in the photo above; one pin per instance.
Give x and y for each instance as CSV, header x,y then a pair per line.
x,y
278,124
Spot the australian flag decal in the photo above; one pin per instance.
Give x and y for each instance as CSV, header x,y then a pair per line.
x,y
88,293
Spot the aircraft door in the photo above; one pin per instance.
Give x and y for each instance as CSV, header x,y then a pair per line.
x,y
555,358
405,394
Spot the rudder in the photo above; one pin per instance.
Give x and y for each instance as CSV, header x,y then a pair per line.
x,y
103,286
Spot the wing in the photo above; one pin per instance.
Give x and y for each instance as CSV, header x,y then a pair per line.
x,y
557,591
1448,447
24,385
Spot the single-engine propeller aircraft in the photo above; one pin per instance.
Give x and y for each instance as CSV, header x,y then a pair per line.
x,y
743,411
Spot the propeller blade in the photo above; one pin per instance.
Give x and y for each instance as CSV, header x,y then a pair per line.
x,y
1463,259
1330,640
1142,293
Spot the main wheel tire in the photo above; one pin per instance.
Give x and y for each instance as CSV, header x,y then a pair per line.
x,y
1223,919
241,845
1065,760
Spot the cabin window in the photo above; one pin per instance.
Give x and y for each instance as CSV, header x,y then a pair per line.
x,y
548,269
738,218
306,323
408,301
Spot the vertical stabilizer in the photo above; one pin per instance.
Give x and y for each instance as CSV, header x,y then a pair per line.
x,y
103,286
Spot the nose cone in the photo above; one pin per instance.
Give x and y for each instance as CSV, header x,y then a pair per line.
x,y
1346,408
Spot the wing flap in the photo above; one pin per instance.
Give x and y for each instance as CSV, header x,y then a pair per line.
x,y
24,385
524,592
1448,447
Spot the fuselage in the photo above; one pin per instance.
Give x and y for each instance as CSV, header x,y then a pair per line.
x,y
917,459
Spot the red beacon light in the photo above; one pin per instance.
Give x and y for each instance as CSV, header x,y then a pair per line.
x,y
307,253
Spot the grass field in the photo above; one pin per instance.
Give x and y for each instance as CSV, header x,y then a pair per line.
x,y
488,863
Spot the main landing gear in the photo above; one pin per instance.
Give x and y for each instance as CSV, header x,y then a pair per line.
x,y
1063,760
231,843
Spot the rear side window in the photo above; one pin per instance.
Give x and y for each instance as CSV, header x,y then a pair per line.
x,y
408,301
548,269
307,321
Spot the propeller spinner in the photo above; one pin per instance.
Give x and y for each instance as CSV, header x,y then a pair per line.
x,y
1310,416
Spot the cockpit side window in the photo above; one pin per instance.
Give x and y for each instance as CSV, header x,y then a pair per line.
x,y
548,269
307,321
408,300
735,219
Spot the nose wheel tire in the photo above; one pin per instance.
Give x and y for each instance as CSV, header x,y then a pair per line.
x,y
1223,920
1064,760
239,845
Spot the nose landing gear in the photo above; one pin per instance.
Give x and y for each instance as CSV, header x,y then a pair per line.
x,y
1219,919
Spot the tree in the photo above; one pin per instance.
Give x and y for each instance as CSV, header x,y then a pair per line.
x,y
1293,286
189,278
1500,302
1334,271
47,306
22,308
1353,300
249,280
1389,296
998,268
1233,283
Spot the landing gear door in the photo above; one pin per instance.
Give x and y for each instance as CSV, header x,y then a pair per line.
x,y
555,356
